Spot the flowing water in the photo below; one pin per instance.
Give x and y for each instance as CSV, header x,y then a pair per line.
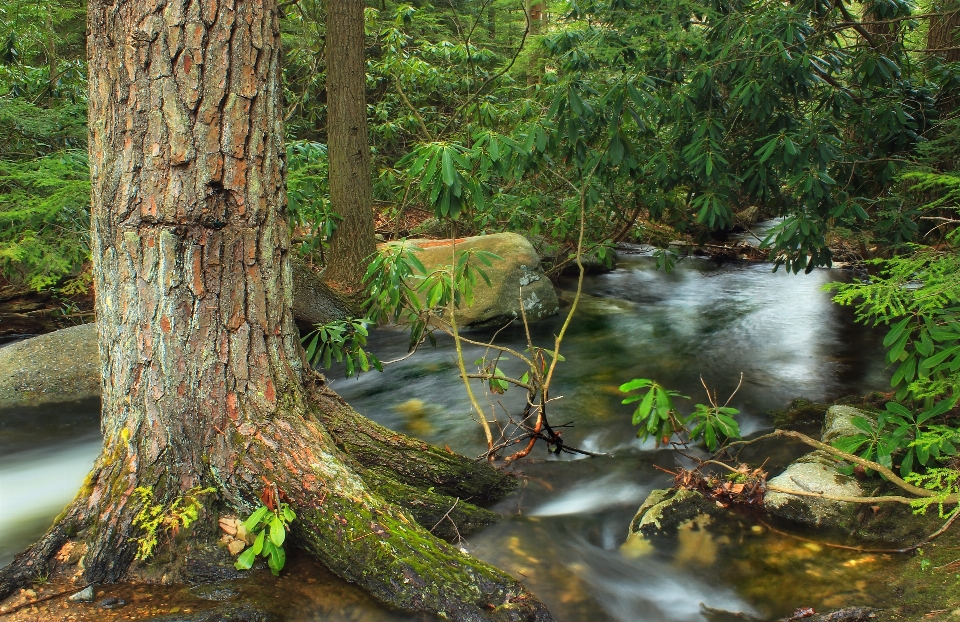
x,y
564,531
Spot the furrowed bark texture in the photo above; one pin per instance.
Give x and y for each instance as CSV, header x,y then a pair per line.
x,y
203,376
351,187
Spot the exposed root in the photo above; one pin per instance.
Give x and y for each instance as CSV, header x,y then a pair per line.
x,y
359,513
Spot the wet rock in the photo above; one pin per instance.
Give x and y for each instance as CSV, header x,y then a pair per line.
x,y
111,603
236,546
847,614
839,423
553,255
800,412
83,596
665,510
517,270
223,613
816,472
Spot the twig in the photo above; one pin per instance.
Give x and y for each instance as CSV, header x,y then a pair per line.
x,y
843,498
739,384
446,515
416,113
496,76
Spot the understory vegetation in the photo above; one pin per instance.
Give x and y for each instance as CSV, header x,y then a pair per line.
x,y
584,125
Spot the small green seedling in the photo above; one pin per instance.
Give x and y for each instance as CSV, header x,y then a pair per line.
x,y
269,528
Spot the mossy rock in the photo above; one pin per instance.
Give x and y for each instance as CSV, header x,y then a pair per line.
x,y
517,271
665,510
814,473
592,264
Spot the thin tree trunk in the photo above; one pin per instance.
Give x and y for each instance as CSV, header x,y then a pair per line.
x,y
943,31
203,377
351,192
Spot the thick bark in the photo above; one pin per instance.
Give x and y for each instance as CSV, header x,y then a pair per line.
x,y
351,191
203,377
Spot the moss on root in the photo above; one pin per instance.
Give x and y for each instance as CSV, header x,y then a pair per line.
x,y
402,565
444,516
410,460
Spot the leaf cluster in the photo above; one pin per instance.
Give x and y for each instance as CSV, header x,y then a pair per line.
x,y
269,530
659,418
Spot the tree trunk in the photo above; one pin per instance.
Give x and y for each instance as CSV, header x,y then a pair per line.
x,y
351,192
203,376
942,39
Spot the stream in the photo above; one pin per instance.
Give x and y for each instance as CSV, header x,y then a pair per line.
x,y
564,531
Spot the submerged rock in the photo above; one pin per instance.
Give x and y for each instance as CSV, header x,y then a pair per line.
x,y
224,613
111,603
517,271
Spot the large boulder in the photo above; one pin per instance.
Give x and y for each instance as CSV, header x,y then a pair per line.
x,y
817,472
518,270
64,366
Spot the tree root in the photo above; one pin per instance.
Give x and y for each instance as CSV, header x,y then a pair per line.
x,y
363,502
409,460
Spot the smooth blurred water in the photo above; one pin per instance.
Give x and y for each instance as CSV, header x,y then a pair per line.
x,y
565,528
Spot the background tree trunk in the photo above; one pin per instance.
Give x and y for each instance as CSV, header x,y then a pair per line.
x,y
943,31
203,381
351,191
